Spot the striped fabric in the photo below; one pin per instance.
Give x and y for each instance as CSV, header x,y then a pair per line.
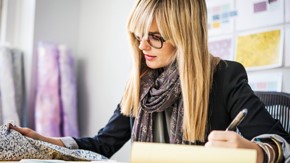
x,y
278,105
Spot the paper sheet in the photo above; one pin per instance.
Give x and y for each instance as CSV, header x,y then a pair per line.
x,y
261,49
259,13
220,16
262,82
155,152
222,47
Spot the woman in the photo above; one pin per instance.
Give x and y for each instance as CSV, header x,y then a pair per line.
x,y
178,92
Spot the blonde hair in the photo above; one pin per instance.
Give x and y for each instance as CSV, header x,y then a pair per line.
x,y
184,22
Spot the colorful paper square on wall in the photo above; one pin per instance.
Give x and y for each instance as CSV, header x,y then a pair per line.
x,y
260,49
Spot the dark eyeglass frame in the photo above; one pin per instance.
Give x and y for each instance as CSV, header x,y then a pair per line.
x,y
152,36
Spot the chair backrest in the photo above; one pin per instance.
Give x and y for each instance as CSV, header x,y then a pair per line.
x,y
278,105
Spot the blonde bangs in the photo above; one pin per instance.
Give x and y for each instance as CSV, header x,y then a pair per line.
x,y
163,25
141,18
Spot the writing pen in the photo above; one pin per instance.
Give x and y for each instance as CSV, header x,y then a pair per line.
x,y
237,120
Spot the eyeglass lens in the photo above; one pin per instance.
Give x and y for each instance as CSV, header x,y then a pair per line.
x,y
153,40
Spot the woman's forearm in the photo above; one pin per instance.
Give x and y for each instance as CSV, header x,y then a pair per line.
x,y
52,140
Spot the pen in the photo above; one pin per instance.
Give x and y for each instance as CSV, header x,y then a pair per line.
x,y
237,120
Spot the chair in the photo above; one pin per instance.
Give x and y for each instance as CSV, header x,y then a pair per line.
x,y
278,105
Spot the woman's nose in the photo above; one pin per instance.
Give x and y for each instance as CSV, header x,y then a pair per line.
x,y
144,45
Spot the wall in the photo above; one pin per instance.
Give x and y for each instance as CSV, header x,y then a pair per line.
x,y
103,63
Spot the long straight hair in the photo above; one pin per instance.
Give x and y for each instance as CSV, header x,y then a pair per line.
x,y
184,23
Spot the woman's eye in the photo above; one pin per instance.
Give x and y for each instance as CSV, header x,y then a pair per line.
x,y
155,37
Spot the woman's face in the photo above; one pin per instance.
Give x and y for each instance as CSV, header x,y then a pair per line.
x,y
155,56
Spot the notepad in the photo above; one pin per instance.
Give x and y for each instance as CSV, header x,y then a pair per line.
x,y
157,152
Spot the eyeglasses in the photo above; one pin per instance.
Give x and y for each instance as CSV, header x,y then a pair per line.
x,y
154,40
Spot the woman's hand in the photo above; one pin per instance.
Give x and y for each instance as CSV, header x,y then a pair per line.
x,y
230,139
27,132
34,135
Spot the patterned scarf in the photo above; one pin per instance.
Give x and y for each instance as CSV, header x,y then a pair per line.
x,y
158,93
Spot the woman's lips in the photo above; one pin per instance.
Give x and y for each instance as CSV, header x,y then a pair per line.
x,y
149,57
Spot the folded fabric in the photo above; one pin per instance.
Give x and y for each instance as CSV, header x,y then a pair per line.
x,y
47,105
68,93
7,84
18,75
56,97
14,147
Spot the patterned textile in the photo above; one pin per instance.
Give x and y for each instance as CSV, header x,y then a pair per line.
x,y
47,105
11,85
158,93
68,93
14,147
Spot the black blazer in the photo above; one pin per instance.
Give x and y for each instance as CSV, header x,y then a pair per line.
x,y
230,94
